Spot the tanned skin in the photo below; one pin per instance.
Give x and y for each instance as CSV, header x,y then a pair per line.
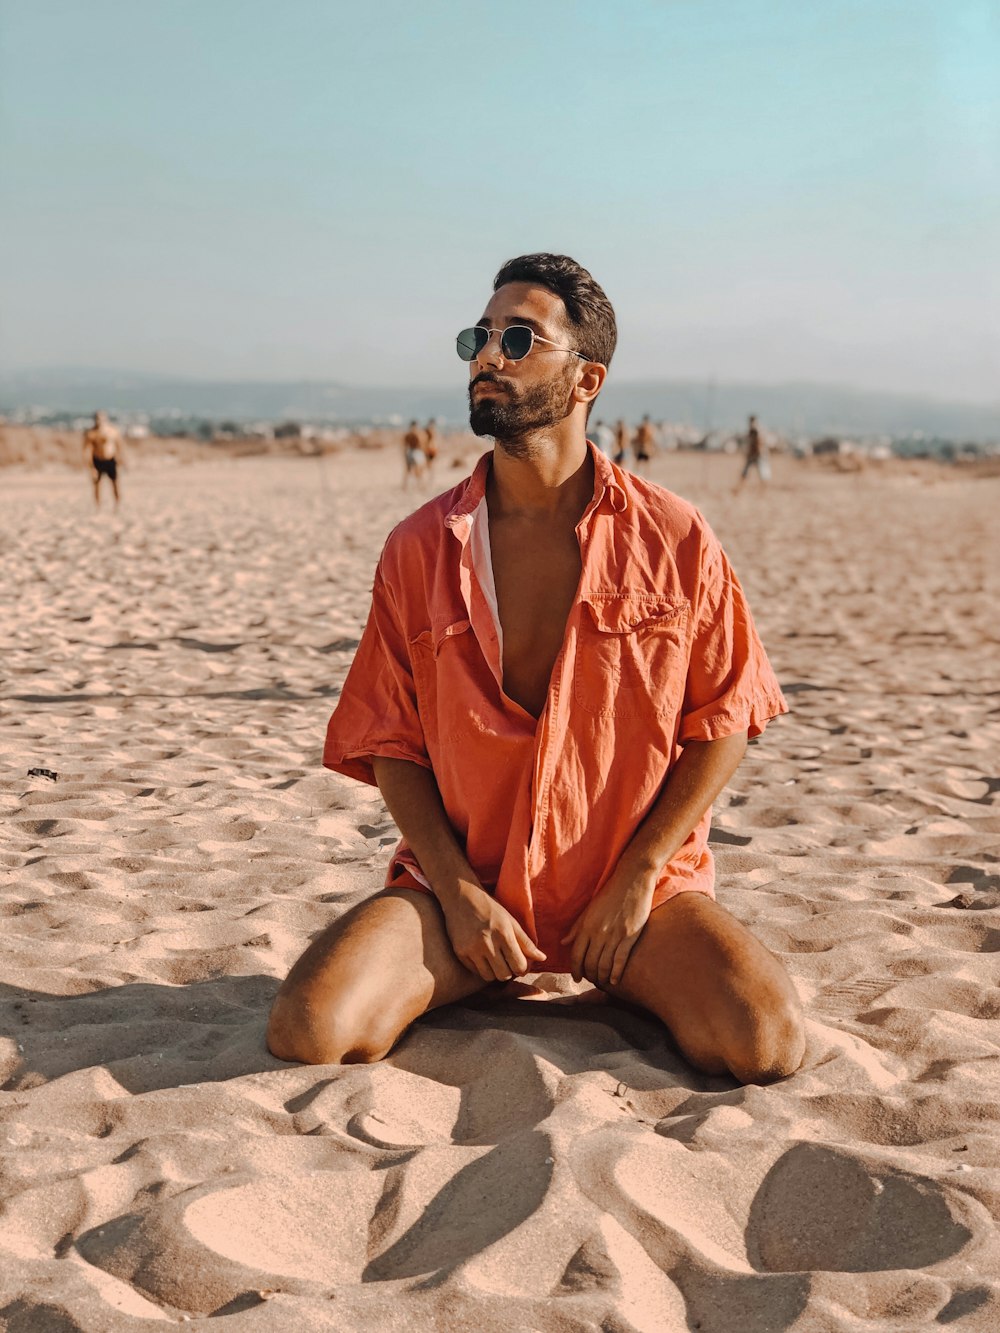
x,y
102,441
728,1002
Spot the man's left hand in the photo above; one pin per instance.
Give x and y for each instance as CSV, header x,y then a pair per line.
x,y
606,931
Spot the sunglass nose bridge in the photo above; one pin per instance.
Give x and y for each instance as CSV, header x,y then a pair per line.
x,y
495,347
494,339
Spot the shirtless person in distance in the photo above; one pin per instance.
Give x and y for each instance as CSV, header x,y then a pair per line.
x,y
621,441
755,455
644,443
102,446
558,676
413,455
430,447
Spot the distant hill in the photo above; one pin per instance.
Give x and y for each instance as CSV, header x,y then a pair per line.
x,y
238,400
810,409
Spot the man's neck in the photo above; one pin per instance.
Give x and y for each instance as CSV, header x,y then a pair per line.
x,y
555,480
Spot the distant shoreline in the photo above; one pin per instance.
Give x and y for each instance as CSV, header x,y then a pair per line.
x,y
166,404
39,449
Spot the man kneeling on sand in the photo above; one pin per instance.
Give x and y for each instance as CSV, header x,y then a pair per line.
x,y
558,676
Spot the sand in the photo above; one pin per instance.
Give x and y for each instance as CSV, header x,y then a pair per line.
x,y
548,1166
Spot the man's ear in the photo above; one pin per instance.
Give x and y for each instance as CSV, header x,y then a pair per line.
x,y
589,385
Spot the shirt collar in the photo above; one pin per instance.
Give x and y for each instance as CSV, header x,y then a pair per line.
x,y
608,481
473,492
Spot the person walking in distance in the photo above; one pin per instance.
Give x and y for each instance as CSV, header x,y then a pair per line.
x,y
755,455
621,441
558,675
102,447
431,447
413,455
644,444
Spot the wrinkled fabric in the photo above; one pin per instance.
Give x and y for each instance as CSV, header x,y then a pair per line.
x,y
659,649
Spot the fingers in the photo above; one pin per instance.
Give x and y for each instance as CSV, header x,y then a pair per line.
x,y
601,957
587,944
483,960
500,951
614,959
504,956
577,956
593,958
618,963
606,962
479,966
510,953
622,954
492,965
528,946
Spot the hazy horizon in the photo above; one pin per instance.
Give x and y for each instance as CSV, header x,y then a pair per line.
x,y
443,386
797,408
768,192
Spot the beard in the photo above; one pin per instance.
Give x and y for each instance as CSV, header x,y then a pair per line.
x,y
516,415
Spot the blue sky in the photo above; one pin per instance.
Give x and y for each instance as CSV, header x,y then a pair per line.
x,y
239,188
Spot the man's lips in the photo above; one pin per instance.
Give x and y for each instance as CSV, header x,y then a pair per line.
x,y
487,386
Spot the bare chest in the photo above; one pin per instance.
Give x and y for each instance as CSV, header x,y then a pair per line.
x,y
536,569
101,445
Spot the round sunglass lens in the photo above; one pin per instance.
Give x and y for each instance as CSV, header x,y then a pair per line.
x,y
469,343
516,342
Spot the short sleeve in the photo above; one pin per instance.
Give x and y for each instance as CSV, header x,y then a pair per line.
x,y
730,687
377,713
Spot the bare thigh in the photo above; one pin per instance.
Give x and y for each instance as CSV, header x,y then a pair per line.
x,y
727,1000
363,981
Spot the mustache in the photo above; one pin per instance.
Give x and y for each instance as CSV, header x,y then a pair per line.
x,y
486,378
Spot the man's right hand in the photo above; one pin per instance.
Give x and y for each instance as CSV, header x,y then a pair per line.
x,y
486,938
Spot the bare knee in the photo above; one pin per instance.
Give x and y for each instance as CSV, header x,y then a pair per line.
x,y
771,1046
299,1030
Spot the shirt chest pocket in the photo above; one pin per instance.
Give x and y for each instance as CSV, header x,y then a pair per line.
x,y
443,678
632,655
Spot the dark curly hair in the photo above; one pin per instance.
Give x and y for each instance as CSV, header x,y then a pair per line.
x,y
589,313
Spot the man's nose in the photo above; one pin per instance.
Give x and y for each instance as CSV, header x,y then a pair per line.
x,y
491,355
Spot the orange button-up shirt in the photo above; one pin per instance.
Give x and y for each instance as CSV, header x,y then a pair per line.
x,y
659,649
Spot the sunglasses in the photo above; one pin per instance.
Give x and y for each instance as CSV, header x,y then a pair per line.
x,y
515,342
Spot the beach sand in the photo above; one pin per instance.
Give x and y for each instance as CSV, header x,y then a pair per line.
x,y
548,1166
